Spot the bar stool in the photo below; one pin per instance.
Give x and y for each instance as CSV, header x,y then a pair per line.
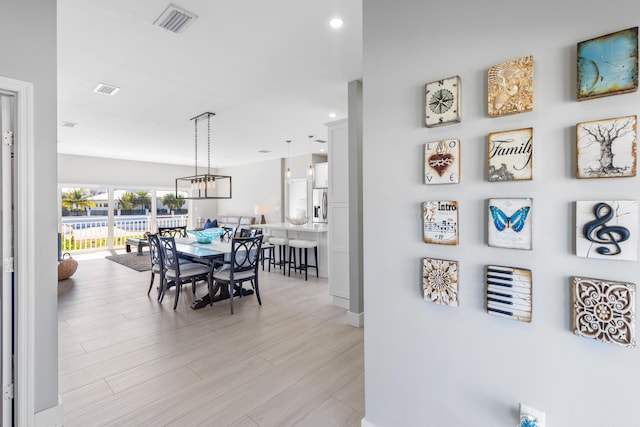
x,y
306,245
281,243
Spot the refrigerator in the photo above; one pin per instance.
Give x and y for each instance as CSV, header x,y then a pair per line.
x,y
320,205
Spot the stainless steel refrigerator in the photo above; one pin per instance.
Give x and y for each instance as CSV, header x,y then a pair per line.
x,y
320,205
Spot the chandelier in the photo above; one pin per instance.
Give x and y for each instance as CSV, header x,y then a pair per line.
x,y
205,185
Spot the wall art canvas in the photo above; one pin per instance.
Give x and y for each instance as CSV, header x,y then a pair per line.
x,y
607,229
608,65
442,102
509,292
604,310
510,87
442,162
510,223
440,281
606,148
440,222
511,155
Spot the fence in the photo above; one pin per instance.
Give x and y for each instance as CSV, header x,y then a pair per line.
x,y
91,233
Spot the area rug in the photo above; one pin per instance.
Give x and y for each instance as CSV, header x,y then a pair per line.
x,y
132,260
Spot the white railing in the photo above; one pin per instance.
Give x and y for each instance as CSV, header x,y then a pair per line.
x,y
92,233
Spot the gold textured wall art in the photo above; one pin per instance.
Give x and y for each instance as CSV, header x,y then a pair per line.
x,y
510,87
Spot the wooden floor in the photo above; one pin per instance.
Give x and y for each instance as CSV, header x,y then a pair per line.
x,y
126,360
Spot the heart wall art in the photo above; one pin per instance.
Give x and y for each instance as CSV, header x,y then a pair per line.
x,y
442,162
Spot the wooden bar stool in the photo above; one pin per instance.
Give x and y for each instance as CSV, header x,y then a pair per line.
x,y
281,243
300,245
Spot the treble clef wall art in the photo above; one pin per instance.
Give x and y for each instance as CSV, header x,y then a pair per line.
x,y
607,230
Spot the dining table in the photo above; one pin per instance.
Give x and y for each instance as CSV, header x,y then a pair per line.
x,y
214,254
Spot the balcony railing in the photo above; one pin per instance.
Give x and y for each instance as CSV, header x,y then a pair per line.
x,y
91,233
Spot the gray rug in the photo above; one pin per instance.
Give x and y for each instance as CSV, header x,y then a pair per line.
x,y
132,260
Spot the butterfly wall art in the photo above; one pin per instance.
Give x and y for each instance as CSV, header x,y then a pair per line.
x,y
442,162
510,223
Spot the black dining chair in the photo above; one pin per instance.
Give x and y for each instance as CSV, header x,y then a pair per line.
x,y
180,272
155,254
242,266
228,234
180,231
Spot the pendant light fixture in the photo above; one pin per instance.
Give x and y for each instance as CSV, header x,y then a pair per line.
x,y
205,185
311,173
287,175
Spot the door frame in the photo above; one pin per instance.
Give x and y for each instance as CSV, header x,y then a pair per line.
x,y
24,252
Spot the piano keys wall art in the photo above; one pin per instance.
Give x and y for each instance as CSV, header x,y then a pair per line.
x,y
509,292
442,162
604,310
510,223
607,229
440,222
440,281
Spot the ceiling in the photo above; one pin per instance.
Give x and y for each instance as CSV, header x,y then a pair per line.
x,y
271,71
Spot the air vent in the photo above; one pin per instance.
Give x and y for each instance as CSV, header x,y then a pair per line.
x,y
264,151
175,19
106,89
68,124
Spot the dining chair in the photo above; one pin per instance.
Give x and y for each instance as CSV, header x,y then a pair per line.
x,y
242,266
248,232
180,272
180,231
228,234
157,267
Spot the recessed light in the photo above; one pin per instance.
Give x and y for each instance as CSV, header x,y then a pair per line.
x,y
336,23
332,115
322,150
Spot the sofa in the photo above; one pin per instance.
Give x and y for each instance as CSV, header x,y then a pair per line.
x,y
236,221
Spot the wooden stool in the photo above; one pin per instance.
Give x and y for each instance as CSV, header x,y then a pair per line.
x,y
302,244
281,243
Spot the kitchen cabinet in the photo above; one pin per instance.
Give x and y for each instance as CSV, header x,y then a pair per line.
x,y
322,175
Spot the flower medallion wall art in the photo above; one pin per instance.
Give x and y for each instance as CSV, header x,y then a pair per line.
x,y
440,222
511,155
606,148
510,223
510,87
440,281
604,310
509,292
442,162
607,229
608,65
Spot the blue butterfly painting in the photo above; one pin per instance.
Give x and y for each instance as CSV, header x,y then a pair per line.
x,y
515,222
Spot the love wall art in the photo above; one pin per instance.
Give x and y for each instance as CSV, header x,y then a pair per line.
x,y
442,162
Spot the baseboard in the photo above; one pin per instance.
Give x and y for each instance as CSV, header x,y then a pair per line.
x,y
365,423
341,302
355,319
50,417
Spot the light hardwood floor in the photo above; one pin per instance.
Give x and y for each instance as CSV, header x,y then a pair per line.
x,y
126,360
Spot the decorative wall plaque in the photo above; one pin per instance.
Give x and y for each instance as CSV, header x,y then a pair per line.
x,y
440,281
604,310
510,223
607,229
509,292
511,155
608,65
442,162
442,99
606,148
440,222
510,87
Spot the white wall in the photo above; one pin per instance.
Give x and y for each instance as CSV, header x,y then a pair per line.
x,y
253,184
428,365
29,54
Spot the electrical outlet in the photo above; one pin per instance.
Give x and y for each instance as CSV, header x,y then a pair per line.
x,y
535,416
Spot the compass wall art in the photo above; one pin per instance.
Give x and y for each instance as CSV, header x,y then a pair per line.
x,y
442,99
